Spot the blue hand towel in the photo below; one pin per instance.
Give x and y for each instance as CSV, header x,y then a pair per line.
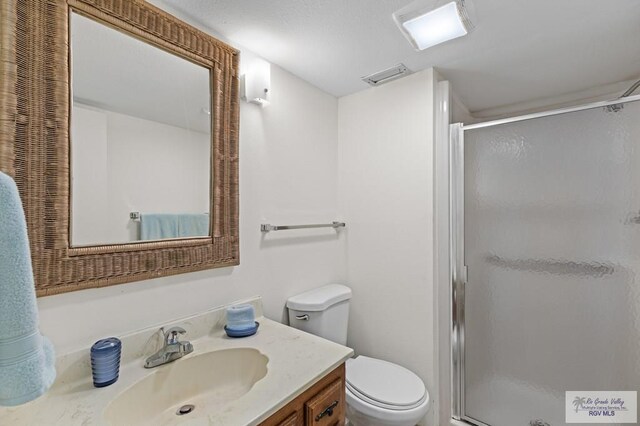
x,y
158,226
27,360
193,225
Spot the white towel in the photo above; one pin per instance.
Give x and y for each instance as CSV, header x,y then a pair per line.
x,y
27,361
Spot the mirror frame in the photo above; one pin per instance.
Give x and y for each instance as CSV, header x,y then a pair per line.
x,y
35,102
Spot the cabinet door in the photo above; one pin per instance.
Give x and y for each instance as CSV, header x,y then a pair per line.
x,y
294,419
327,407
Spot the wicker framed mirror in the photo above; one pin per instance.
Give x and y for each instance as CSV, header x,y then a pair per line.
x,y
35,114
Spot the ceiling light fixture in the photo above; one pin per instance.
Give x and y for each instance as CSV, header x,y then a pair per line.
x,y
426,23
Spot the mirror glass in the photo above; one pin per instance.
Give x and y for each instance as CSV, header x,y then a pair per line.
x,y
140,140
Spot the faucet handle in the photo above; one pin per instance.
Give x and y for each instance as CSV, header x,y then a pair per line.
x,y
171,335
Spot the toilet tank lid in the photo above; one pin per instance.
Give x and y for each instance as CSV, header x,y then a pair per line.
x,y
319,298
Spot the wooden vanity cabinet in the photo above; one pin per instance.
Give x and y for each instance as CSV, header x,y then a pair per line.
x,y
323,404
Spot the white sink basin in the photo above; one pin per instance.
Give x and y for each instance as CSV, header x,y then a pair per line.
x,y
207,381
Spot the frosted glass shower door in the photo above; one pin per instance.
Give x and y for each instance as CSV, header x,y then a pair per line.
x,y
552,249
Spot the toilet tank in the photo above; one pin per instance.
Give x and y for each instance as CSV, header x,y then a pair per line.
x,y
323,311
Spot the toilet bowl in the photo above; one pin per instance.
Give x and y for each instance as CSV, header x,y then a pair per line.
x,y
379,393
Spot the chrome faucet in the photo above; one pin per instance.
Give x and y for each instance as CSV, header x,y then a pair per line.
x,y
172,349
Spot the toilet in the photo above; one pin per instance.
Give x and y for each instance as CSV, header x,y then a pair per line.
x,y
379,393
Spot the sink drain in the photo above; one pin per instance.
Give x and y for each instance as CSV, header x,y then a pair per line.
x,y
185,409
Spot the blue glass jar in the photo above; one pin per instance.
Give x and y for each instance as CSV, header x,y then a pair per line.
x,y
105,361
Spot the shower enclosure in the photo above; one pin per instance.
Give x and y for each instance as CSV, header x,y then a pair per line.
x,y
545,248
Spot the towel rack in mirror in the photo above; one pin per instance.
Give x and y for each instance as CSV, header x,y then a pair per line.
x,y
136,215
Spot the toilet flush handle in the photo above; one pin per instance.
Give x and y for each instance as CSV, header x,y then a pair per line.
x,y
304,317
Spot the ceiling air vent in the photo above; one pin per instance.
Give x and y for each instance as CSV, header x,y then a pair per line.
x,y
384,76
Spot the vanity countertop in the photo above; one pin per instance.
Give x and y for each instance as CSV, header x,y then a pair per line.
x,y
296,361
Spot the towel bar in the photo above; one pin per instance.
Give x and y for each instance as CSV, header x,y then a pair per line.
x,y
265,227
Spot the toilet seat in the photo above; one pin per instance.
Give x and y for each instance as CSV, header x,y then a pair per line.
x,y
379,404
384,384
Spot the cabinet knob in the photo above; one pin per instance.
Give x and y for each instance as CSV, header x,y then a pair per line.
x,y
327,411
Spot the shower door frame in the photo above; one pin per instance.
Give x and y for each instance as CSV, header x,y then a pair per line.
x,y
458,269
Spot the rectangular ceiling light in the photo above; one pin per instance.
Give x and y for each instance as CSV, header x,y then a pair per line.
x,y
426,28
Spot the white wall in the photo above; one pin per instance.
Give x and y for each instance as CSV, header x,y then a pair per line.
x,y
89,176
288,174
386,138
122,163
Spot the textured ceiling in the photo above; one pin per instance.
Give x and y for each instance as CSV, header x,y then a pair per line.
x,y
521,50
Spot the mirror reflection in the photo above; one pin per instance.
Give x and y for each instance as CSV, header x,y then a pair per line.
x,y
140,140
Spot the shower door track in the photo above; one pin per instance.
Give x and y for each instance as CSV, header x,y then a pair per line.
x,y
458,269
